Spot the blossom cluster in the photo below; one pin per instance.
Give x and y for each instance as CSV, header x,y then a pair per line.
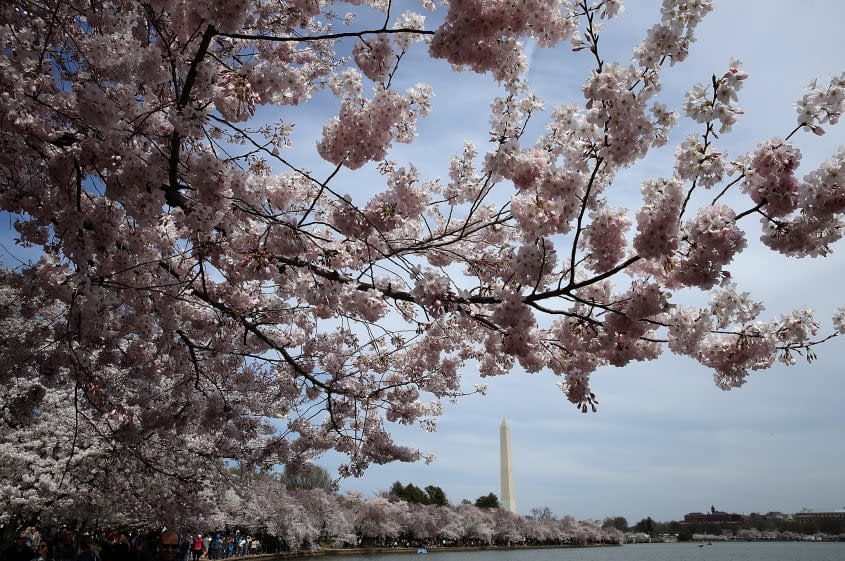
x,y
657,218
821,105
462,175
732,356
604,238
821,194
711,240
403,201
365,129
374,57
409,20
643,301
532,262
482,34
769,177
688,327
672,37
816,222
520,335
703,107
235,99
727,306
622,113
699,162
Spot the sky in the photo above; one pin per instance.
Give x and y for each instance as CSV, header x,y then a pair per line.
x,y
665,441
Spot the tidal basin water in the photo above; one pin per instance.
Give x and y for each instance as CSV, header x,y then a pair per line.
x,y
729,551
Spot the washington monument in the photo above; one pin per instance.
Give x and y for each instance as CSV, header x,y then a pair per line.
x,y
508,494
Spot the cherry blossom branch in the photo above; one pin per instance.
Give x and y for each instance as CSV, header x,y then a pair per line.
x,y
796,129
725,190
706,138
252,328
316,197
592,36
194,359
807,344
579,222
322,185
565,313
172,191
572,286
327,36
751,210
75,428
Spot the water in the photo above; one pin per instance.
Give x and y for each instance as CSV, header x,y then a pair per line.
x,y
729,551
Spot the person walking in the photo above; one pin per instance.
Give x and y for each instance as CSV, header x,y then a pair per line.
x,y
168,546
18,550
65,548
122,549
197,549
42,552
87,550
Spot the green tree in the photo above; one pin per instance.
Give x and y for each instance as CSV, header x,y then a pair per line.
x,y
436,496
414,494
618,522
307,476
685,534
397,490
646,525
676,528
489,501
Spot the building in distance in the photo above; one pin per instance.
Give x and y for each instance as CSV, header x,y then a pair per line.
x,y
812,515
712,516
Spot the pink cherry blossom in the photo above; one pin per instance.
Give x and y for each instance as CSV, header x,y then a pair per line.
x,y
205,303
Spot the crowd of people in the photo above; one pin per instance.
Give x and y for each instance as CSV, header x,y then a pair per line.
x,y
64,544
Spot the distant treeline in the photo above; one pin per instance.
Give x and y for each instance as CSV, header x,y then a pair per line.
x,y
748,526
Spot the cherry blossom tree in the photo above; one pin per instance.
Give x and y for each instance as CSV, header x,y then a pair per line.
x,y
385,521
201,298
417,524
57,466
327,516
379,519
510,527
479,524
261,503
542,530
450,523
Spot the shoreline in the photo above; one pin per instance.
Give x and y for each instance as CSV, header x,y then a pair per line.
x,y
410,550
